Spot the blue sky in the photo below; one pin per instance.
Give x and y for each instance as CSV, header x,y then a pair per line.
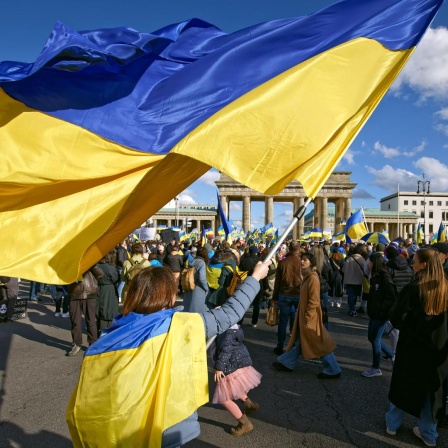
x,y
406,136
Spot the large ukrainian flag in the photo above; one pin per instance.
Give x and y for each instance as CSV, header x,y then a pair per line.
x,y
146,374
108,125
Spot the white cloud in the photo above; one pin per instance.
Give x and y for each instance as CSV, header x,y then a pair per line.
x,y
235,206
435,171
389,178
359,193
388,153
416,150
186,199
210,177
349,157
442,115
427,70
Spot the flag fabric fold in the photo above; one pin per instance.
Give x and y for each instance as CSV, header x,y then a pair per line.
x,y
102,118
441,234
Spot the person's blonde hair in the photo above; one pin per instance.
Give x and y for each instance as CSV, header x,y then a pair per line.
x,y
432,283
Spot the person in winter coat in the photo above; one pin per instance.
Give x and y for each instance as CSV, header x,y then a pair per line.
x,y
194,301
337,291
83,295
286,292
325,273
247,263
235,377
107,302
381,299
309,336
353,270
175,262
229,263
421,360
171,372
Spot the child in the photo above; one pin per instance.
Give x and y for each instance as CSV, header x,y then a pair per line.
x,y
235,376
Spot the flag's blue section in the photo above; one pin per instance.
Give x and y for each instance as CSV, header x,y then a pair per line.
x,y
222,215
441,234
154,84
131,331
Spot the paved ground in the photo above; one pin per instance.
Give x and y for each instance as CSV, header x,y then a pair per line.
x,y
297,409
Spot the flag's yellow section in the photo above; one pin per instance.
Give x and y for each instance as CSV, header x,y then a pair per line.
x,y
301,122
91,205
127,398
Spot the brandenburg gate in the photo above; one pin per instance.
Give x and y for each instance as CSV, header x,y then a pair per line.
x,y
337,189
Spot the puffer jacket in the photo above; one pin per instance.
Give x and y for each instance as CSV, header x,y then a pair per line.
x,y
400,272
381,297
232,354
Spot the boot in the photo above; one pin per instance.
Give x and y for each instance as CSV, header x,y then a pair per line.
x,y
244,425
250,405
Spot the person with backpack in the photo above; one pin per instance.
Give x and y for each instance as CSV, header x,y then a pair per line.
x,y
132,266
194,299
353,270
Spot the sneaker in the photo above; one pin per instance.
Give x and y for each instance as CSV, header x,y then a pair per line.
x,y
388,358
391,432
369,373
58,314
67,314
74,351
417,434
278,351
353,313
254,325
338,305
360,310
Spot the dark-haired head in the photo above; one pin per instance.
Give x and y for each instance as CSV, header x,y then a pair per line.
x,y
151,290
310,257
378,263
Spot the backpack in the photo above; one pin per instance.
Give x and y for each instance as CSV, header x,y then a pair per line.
x,y
187,278
135,268
237,278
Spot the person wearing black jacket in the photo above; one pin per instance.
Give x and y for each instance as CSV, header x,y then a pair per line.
x,y
247,263
421,360
381,299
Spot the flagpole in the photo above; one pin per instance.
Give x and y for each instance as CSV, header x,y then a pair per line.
x,y
297,216
364,217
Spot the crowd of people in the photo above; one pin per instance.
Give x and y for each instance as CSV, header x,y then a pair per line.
x,y
402,287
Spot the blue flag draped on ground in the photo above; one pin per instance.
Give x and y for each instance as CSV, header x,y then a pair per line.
x,y
102,118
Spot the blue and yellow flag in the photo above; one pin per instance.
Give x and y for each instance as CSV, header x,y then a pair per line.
x,y
315,233
356,227
72,180
419,234
129,390
441,234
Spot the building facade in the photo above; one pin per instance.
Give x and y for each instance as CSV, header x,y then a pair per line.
x,y
431,209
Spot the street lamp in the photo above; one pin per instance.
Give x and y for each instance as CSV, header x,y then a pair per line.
x,y
424,185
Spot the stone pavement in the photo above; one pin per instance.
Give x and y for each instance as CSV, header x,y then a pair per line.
x,y
297,409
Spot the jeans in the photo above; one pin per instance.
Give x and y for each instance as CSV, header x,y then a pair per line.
x,y
35,289
288,306
329,363
427,426
77,309
374,333
121,283
353,292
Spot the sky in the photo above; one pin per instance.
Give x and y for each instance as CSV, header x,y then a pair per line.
x,y
405,138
